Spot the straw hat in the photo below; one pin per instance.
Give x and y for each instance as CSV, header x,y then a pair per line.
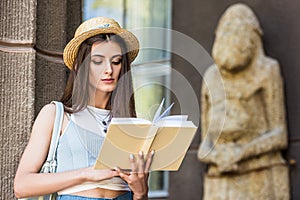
x,y
95,26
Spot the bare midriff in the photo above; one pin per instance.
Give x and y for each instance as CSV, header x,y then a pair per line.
x,y
99,193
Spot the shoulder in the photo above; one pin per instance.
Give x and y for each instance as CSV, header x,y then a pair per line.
x,y
212,74
48,108
48,111
46,115
270,73
270,67
212,78
270,64
211,71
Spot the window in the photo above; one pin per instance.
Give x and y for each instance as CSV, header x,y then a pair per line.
x,y
151,70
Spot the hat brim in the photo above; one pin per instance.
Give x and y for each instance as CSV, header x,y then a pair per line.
x,y
71,49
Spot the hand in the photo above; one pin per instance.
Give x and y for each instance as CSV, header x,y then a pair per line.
x,y
137,179
227,156
91,174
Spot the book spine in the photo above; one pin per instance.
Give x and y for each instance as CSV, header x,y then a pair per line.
x,y
149,139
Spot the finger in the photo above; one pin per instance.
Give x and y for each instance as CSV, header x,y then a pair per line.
x,y
121,174
133,163
149,161
141,163
112,172
119,170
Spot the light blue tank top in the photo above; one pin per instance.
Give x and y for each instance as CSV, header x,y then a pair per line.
x,y
80,143
77,148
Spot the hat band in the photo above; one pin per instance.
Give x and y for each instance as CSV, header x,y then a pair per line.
x,y
107,25
103,26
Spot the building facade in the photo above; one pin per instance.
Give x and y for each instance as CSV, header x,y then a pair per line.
x,y
32,37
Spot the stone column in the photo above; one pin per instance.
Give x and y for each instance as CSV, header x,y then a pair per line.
x,y
51,39
32,37
17,74
56,24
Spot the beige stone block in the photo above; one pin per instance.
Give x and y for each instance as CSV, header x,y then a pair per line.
x,y
51,26
51,77
18,21
17,74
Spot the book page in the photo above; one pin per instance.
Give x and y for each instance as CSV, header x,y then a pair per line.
x,y
174,123
158,111
121,141
124,120
170,146
158,116
176,118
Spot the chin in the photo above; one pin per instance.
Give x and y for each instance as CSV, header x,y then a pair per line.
x,y
234,67
232,58
106,89
232,62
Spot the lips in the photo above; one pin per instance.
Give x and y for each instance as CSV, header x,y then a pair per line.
x,y
108,80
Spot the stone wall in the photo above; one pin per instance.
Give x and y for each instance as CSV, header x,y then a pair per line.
x,y
56,24
32,37
17,74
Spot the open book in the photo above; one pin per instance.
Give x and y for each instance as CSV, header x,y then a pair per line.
x,y
169,136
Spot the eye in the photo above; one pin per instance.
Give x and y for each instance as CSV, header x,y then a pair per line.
x,y
117,62
97,62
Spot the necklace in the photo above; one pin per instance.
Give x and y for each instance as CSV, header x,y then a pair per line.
x,y
102,122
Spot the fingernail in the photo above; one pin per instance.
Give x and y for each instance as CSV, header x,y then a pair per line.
x,y
131,156
140,153
152,152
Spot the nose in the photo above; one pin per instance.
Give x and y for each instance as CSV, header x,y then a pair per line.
x,y
108,68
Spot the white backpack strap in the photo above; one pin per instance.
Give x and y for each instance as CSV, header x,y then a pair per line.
x,y
59,114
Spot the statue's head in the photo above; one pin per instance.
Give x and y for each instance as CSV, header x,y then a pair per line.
x,y
237,37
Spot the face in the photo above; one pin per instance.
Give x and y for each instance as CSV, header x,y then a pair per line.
x,y
233,48
105,66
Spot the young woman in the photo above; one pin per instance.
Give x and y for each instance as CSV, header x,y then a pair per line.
x,y
99,87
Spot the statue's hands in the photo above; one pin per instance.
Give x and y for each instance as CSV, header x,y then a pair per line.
x,y
224,156
227,156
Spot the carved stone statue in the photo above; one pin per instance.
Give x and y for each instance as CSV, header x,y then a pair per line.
x,y
243,116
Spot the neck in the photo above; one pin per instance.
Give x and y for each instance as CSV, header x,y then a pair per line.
x,y
99,99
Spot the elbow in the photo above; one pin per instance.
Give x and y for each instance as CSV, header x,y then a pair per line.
x,y
283,138
19,190
17,195
205,152
203,155
200,154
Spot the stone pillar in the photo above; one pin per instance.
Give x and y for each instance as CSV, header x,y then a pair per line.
x,y
32,37
17,74
56,24
51,39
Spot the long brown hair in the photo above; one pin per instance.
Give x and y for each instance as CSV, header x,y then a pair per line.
x,y
76,94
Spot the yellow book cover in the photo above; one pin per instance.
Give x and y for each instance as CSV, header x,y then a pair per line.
x,y
169,136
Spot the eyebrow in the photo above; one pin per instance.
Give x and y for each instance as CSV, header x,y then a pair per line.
x,y
99,55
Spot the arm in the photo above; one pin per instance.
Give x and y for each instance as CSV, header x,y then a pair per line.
x,y
213,103
276,136
29,182
203,150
